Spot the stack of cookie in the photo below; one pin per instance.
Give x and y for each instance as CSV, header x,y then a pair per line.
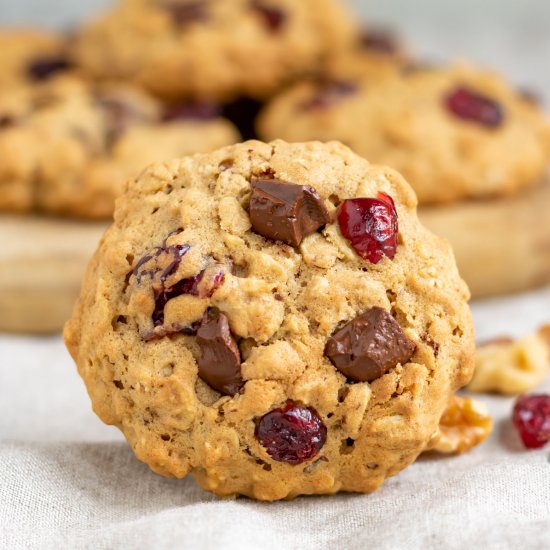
x,y
157,79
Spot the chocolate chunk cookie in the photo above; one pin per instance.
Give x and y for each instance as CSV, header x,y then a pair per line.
x,y
67,146
273,319
212,49
454,133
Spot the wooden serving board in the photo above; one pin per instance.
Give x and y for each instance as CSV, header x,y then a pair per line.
x,y
42,262
501,246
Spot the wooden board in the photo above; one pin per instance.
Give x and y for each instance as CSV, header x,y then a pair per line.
x,y
42,262
501,246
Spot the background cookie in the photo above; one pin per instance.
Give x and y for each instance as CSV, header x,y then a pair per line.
x,y
318,362
66,146
212,49
454,133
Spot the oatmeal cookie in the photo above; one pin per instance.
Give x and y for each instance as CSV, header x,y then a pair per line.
x,y
273,319
67,146
454,133
216,50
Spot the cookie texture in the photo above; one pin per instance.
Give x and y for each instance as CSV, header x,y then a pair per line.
x,y
214,49
30,55
454,133
67,146
183,295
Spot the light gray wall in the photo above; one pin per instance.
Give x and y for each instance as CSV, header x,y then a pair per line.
x,y
510,35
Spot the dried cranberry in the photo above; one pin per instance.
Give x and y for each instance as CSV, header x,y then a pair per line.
x,y
531,417
274,18
379,40
467,104
45,67
371,226
329,93
184,12
291,434
191,111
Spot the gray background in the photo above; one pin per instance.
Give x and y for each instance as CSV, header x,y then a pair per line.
x,y
510,35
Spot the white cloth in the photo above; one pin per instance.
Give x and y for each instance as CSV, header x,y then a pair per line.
x,y
67,481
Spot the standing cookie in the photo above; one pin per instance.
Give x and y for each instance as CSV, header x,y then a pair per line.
x,y
213,49
273,319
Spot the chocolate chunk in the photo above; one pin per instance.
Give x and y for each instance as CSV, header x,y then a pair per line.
x,y
45,67
328,93
185,12
220,361
369,346
284,211
191,111
274,18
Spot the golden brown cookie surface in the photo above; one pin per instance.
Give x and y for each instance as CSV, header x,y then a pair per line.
x,y
270,369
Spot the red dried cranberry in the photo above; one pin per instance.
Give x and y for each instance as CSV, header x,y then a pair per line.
x,y
379,40
467,104
191,111
532,419
291,434
274,18
371,226
44,68
329,93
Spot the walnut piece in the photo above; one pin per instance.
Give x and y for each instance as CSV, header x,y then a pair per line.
x,y
512,367
465,424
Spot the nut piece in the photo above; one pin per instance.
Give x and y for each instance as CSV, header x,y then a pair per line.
x,y
512,367
465,424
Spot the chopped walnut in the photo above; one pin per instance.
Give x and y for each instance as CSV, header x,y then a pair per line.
x,y
464,424
512,367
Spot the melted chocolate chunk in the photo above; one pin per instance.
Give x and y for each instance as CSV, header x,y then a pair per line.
x,y
184,12
286,212
220,361
45,67
369,346
274,18
329,93
191,111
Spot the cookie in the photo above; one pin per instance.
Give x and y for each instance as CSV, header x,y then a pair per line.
x,y
241,323
454,133
216,50
31,55
67,146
